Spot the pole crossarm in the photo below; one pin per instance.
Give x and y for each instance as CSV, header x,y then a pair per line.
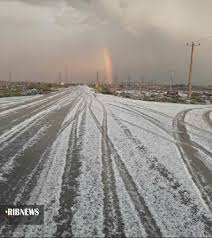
x,y
192,43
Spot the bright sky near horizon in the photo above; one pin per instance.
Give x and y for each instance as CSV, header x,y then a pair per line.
x,y
140,38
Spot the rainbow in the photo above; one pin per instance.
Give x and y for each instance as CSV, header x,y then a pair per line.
x,y
108,65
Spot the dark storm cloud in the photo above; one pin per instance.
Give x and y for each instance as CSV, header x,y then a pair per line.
x,y
145,37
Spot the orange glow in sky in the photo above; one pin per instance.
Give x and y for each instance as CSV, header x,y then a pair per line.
x,y
108,66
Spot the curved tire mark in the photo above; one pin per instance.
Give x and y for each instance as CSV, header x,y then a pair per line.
x,y
206,117
200,174
141,208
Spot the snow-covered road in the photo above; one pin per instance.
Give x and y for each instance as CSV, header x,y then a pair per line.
x,y
106,166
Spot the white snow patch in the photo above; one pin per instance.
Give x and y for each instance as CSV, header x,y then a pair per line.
x,y
88,211
9,165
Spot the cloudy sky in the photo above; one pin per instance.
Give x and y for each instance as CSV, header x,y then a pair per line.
x,y
144,38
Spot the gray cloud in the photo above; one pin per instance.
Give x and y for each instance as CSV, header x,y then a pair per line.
x,y
38,2
145,38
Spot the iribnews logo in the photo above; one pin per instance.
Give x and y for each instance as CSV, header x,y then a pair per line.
x,y
23,215
22,212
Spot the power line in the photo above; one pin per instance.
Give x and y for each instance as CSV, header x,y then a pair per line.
x,y
203,38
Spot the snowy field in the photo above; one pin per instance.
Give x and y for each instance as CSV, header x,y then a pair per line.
x,y
106,166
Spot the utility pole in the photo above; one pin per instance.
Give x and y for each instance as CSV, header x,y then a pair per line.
x,y
193,45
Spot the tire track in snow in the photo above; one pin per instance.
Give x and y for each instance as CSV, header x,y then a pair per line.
x,y
183,194
14,102
111,202
192,142
170,132
113,224
25,185
8,166
28,158
13,148
68,121
57,131
142,210
203,179
206,117
20,184
135,105
150,119
88,210
71,173
200,173
32,104
200,130
19,130
30,111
